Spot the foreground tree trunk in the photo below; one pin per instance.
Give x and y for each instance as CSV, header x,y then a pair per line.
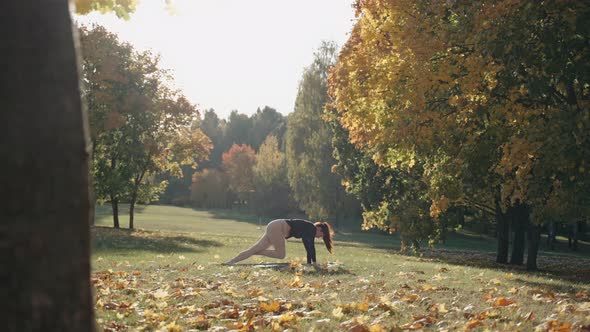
x,y
503,231
520,221
533,237
44,178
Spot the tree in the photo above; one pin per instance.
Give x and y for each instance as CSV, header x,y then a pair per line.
x,y
392,200
266,122
44,186
272,192
237,130
165,146
210,189
308,145
237,164
140,126
122,8
213,127
109,94
475,93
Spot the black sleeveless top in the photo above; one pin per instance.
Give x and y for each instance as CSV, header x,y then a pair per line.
x,y
304,230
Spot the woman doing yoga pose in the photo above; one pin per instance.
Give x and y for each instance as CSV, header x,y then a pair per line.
x,y
277,231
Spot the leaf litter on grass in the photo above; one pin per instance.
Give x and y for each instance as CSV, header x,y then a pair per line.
x,y
176,295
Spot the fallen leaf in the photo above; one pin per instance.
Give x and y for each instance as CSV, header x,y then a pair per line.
x,y
273,306
337,313
473,323
502,302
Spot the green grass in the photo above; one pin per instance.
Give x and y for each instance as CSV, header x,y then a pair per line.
x,y
167,277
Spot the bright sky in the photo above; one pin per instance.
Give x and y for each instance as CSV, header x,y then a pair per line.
x,y
235,54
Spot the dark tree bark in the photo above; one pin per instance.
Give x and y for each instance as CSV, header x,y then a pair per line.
x,y
132,211
533,237
551,234
115,207
114,199
503,231
44,178
520,221
134,193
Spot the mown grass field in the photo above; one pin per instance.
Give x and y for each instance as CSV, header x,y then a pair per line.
x,y
168,277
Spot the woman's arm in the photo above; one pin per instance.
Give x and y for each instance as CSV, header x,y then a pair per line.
x,y
309,244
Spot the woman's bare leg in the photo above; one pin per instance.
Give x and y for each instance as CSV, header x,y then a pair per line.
x,y
262,244
275,236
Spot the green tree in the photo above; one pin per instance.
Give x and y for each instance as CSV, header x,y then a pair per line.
x,y
272,192
140,126
214,128
266,122
210,189
308,145
392,200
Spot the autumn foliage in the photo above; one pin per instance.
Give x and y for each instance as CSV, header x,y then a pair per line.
x,y
487,103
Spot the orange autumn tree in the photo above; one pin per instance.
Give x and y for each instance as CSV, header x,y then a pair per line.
x,y
488,100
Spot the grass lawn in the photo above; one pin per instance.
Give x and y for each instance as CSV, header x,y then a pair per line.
x,y
168,277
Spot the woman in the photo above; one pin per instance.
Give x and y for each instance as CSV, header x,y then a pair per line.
x,y
277,231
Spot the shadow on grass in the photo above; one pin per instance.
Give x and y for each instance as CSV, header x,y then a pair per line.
x,y
312,270
566,268
106,239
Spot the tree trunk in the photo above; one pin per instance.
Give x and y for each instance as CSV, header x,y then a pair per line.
x,y
132,209
115,206
503,231
533,237
576,235
520,220
551,235
44,180
443,231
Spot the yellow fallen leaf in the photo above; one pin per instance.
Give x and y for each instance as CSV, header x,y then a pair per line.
x,y
364,306
428,288
254,291
273,306
287,317
376,328
173,327
296,282
513,290
160,293
440,308
337,313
